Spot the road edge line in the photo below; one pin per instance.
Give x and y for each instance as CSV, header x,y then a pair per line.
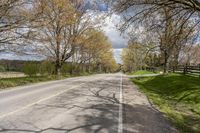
x,y
120,121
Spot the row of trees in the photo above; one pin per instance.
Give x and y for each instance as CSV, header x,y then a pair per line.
x,y
138,56
61,30
169,27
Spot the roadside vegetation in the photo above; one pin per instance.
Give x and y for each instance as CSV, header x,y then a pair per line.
x,y
177,96
13,82
141,72
68,39
18,81
40,71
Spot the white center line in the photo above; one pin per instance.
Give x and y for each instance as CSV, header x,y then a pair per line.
x,y
120,122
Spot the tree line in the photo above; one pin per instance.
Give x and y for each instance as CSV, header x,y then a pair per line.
x,y
168,32
61,30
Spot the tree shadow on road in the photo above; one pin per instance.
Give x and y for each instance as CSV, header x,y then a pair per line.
x,y
101,115
104,119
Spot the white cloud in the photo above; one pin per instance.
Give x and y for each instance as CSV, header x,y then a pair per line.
x,y
14,56
117,55
113,33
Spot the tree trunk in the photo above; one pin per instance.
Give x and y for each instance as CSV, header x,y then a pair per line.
x,y
58,67
166,62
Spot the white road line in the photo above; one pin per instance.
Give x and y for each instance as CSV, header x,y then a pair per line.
x,y
41,100
120,122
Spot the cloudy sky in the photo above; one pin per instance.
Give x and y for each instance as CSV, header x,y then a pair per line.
x,y
118,41
109,27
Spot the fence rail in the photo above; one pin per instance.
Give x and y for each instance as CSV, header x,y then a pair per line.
x,y
187,69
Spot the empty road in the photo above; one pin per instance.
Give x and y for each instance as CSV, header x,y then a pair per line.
x,y
104,103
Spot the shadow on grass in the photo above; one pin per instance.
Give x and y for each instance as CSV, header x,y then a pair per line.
x,y
176,95
176,87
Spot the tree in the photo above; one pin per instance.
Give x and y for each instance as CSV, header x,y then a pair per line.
x,y
57,27
190,55
174,35
107,62
172,21
133,56
96,51
141,9
12,18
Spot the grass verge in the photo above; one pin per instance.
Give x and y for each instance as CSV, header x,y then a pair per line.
x,y
141,72
177,96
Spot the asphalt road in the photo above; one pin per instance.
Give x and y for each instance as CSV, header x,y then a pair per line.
x,y
105,103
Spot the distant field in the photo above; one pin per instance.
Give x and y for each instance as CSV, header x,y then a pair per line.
x,y
176,95
11,74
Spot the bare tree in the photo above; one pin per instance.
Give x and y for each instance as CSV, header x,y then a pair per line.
x,y
140,10
57,28
174,22
12,18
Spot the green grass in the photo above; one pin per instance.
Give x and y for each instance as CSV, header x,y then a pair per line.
x,y
12,82
141,72
177,96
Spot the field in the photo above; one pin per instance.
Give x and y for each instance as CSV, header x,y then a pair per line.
x,y
11,74
177,96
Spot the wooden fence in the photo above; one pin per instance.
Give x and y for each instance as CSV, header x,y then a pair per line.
x,y
195,70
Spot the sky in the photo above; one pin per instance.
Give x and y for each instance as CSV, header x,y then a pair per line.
x,y
118,41
109,27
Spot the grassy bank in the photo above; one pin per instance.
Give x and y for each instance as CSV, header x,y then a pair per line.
x,y
141,72
177,96
18,81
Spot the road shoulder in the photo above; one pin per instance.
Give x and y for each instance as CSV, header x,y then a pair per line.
x,y
139,115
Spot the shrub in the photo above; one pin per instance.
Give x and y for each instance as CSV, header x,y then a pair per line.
x,y
66,68
2,69
31,69
47,67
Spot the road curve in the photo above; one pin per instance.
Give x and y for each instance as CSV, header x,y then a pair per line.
x,y
92,104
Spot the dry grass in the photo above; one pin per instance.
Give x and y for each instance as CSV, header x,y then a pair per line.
x,y
11,75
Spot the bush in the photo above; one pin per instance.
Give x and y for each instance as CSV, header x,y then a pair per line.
x,y
66,68
2,69
31,69
47,67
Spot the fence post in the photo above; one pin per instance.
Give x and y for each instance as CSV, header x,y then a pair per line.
x,y
185,69
199,70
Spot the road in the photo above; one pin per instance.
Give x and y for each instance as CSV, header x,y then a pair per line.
x,y
104,103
